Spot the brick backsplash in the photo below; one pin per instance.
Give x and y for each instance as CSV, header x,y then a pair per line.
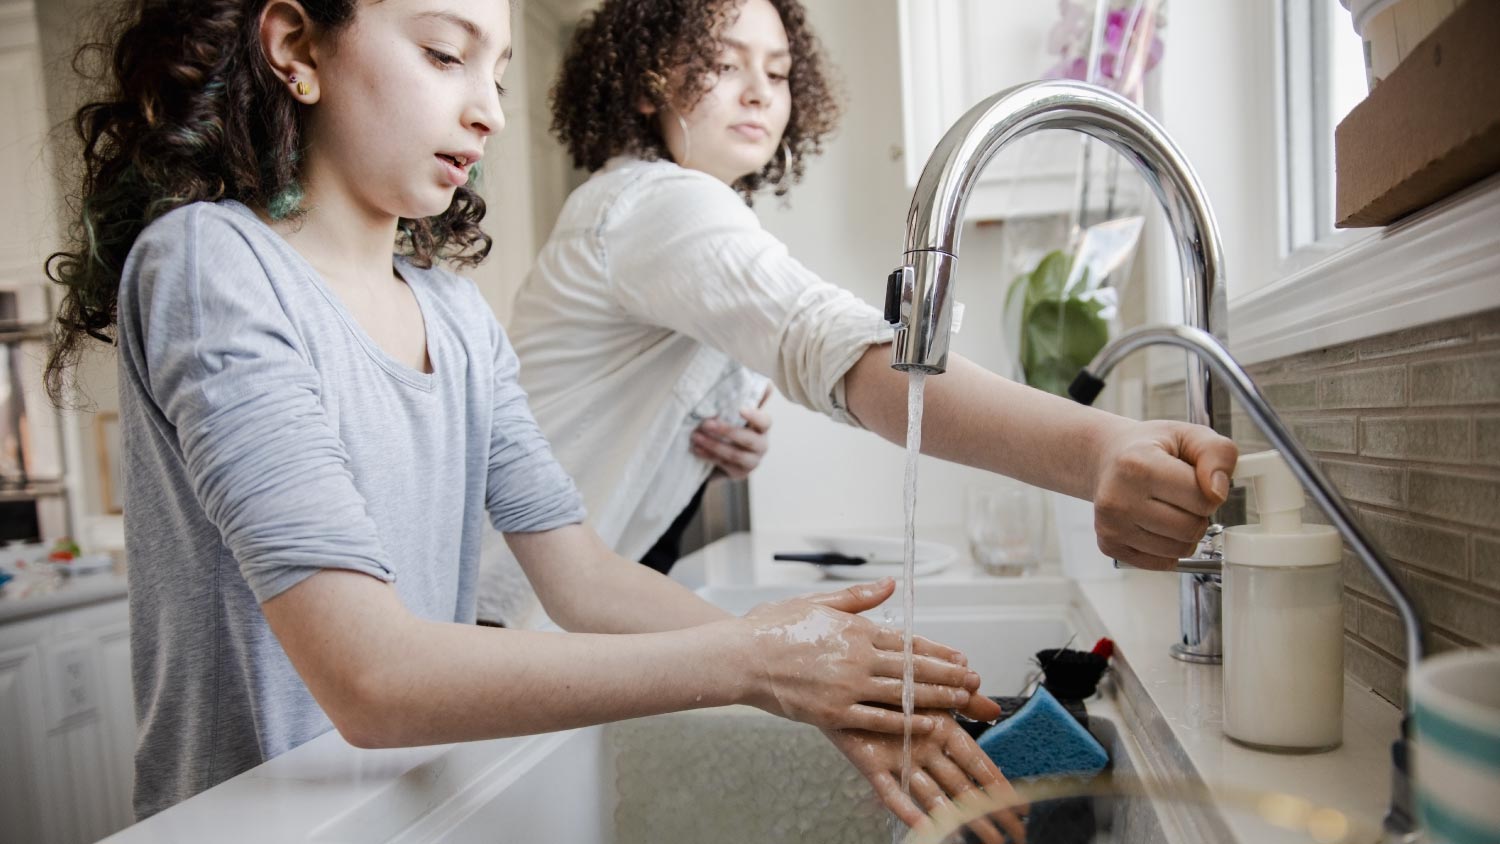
x,y
1407,426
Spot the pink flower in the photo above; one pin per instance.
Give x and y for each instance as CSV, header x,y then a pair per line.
x,y
1074,21
1070,40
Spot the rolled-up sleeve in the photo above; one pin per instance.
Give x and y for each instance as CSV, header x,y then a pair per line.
x,y
687,254
226,370
527,490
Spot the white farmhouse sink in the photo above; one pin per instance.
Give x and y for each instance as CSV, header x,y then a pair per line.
x,y
722,775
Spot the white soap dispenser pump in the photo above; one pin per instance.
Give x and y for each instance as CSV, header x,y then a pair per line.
x,y
1283,619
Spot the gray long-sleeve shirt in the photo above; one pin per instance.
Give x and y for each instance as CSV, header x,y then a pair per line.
x,y
267,438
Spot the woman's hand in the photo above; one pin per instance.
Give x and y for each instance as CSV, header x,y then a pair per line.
x,y
815,660
735,449
948,771
1158,484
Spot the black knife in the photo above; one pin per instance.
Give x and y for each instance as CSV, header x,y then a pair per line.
x,y
821,558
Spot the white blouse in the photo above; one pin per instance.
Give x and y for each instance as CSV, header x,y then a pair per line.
x,y
657,301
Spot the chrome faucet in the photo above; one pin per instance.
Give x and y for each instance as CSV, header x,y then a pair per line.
x,y
919,294
1400,821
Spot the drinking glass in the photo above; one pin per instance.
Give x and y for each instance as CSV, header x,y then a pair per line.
x,y
1002,525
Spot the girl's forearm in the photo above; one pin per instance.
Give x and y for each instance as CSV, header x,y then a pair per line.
x,y
388,678
587,588
494,683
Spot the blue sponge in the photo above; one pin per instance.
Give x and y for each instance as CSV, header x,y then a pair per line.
x,y
1043,739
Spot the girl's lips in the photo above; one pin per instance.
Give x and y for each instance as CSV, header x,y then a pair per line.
x,y
750,131
457,176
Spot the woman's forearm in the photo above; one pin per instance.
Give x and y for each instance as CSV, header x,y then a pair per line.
x,y
975,417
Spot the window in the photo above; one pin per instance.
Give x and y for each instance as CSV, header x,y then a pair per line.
x,y
1323,77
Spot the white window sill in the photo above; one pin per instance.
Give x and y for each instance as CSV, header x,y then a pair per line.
x,y
1441,263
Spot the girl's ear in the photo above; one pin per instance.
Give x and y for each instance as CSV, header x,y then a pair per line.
x,y
288,39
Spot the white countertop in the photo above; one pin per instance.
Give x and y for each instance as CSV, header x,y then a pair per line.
x,y
34,593
328,781
1185,715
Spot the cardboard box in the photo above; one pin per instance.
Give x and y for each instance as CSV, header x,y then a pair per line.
x,y
1429,129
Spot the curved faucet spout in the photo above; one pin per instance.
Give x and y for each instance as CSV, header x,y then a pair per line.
x,y
920,300
1302,464
1400,821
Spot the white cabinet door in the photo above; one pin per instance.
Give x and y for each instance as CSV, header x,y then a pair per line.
x,y
67,726
955,53
117,713
78,743
23,771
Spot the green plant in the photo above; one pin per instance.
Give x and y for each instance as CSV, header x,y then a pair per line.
x,y
1062,327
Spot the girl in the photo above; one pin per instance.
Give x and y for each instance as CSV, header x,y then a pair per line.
x,y
315,431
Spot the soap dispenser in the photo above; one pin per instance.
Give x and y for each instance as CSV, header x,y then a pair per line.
x,y
1283,619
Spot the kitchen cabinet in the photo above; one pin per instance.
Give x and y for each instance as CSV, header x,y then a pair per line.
x,y
67,725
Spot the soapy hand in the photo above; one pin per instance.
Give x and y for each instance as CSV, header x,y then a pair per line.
x,y
949,773
815,660
1158,484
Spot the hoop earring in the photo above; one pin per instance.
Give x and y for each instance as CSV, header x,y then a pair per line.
x,y
786,159
687,140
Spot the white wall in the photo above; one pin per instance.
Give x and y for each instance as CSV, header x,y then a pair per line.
x,y
846,221
1218,103
526,174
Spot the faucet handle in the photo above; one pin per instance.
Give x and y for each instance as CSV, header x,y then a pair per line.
x,y
1209,558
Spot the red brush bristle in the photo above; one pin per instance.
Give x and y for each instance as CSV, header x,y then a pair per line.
x,y
1104,647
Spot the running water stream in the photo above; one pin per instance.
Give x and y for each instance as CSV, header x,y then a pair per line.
x,y
908,573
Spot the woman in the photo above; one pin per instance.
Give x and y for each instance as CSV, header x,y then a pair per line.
x,y
659,300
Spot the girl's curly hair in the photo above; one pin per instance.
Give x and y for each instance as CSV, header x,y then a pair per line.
x,y
622,55
192,111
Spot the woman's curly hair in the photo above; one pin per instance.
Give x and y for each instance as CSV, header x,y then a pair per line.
x,y
193,111
623,54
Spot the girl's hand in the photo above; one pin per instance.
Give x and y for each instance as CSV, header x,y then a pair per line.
x,y
1158,484
948,770
736,450
815,660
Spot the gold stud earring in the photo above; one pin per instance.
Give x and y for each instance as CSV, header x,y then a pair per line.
x,y
302,88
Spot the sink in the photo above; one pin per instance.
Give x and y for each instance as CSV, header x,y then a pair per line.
x,y
732,774
988,595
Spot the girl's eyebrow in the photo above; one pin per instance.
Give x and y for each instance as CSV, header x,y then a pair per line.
x,y
465,24
743,47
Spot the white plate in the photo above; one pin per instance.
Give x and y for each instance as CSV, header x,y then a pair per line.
x,y
886,556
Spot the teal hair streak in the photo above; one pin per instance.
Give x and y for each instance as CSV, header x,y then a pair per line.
x,y
286,202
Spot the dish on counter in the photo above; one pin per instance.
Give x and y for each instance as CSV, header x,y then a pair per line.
x,y
885,555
